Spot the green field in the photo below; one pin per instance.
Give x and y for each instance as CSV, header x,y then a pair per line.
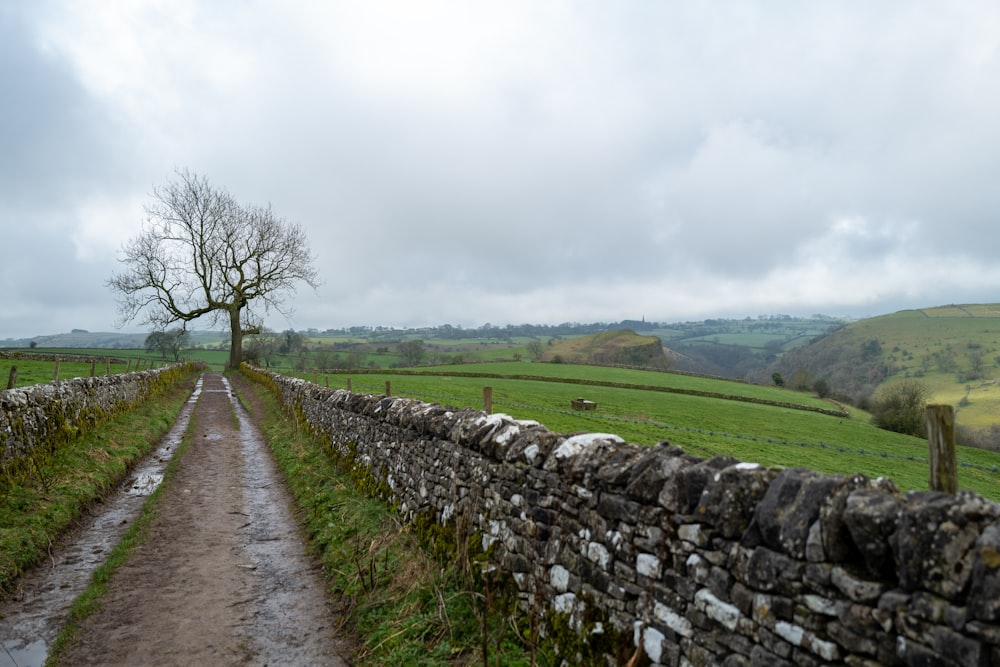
x,y
30,371
656,406
769,435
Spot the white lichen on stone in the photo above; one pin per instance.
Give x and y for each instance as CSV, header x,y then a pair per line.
x,y
576,444
559,578
565,603
647,565
599,554
672,619
652,644
723,612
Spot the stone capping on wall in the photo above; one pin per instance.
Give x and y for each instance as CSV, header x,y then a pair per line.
x,y
701,562
37,415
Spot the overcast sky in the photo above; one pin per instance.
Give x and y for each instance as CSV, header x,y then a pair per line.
x,y
515,162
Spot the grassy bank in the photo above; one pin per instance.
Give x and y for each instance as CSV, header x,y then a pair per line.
x,y
36,508
405,605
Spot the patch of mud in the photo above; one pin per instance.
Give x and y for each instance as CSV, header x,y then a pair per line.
x,y
33,616
224,577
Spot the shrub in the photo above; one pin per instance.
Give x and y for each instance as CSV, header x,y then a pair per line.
x,y
900,407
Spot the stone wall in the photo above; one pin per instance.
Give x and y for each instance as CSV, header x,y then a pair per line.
x,y
699,562
42,415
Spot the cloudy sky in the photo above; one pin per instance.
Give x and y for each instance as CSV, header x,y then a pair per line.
x,y
513,162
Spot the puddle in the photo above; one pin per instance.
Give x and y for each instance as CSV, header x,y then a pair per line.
x,y
290,587
145,484
33,617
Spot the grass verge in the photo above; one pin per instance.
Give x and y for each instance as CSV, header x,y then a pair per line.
x,y
35,510
403,602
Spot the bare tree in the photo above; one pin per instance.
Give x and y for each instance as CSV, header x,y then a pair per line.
x,y
202,254
168,343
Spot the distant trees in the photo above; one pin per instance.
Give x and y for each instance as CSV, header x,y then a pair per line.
x,y
291,341
203,254
261,347
900,407
168,343
536,349
777,379
412,352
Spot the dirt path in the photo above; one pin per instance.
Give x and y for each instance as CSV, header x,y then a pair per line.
x,y
223,578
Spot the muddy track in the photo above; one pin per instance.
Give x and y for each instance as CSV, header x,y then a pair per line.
x,y
223,577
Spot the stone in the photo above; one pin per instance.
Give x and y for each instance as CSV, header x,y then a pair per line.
x,y
935,540
682,490
984,596
731,497
870,517
790,507
856,589
649,473
767,570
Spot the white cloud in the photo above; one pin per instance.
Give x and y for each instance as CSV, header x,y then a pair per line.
x,y
517,161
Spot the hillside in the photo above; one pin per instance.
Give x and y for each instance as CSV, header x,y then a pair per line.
x,y
954,350
619,347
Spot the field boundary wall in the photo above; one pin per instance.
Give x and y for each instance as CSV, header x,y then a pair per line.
x,y
694,561
39,417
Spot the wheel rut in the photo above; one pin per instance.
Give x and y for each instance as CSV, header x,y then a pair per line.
x,y
223,576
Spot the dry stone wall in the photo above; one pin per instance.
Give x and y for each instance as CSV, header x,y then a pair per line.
x,y
699,562
40,415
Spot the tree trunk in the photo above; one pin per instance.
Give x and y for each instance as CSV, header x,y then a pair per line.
x,y
236,338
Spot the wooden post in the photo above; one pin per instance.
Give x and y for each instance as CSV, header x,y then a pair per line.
x,y
326,378
388,388
12,379
55,373
93,367
349,388
941,442
128,369
488,400
107,365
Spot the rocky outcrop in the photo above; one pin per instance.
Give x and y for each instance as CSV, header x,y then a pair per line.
x,y
701,562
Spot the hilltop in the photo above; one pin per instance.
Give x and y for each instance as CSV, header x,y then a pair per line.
x,y
621,347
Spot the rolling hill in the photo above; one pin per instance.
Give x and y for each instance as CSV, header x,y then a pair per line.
x,y
953,349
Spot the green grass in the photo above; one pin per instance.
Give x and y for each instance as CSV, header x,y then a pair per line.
x,y
404,605
30,371
37,508
769,435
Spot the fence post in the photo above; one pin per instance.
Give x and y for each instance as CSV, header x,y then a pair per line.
x,y
12,379
93,367
349,388
941,443
128,369
107,365
55,373
488,400
388,388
